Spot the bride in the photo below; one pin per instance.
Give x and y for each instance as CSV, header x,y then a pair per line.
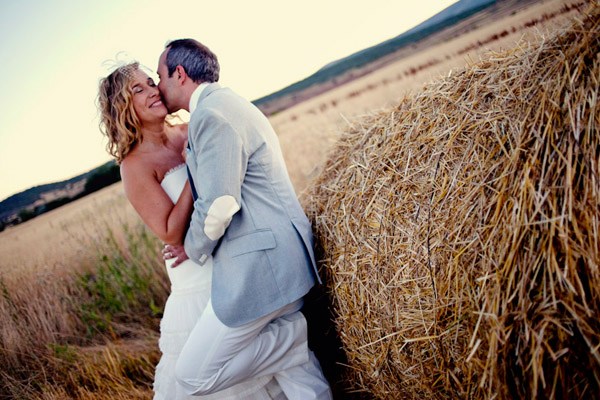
x,y
149,150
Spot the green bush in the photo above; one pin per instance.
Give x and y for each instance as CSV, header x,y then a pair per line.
x,y
103,176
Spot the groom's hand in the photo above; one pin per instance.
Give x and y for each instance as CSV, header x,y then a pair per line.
x,y
174,251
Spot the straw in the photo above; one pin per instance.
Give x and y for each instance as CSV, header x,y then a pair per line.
x,y
459,230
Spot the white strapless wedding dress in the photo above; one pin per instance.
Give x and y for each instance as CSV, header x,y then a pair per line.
x,y
190,292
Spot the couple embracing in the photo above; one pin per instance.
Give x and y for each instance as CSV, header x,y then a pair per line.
x,y
241,264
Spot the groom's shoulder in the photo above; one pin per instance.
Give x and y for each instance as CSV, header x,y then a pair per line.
x,y
225,92
228,101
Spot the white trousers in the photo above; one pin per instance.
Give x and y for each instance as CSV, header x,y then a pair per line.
x,y
216,356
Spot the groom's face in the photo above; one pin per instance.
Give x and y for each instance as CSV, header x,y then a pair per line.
x,y
167,85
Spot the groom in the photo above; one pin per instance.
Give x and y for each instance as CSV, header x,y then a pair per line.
x,y
247,216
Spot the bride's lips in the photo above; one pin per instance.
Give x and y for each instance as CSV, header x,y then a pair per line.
x,y
157,103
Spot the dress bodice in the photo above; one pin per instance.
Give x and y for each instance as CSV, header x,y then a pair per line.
x,y
188,274
174,181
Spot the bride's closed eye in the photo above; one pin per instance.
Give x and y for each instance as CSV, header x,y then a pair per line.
x,y
138,87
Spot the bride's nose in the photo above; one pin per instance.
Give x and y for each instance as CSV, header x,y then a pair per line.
x,y
154,92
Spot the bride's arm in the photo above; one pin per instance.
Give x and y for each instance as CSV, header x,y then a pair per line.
x,y
168,221
179,217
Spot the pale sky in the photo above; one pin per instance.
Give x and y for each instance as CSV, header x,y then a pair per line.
x,y
53,52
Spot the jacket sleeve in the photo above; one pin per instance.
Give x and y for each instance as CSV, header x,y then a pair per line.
x,y
221,163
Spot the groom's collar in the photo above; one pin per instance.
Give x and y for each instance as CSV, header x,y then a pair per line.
x,y
196,96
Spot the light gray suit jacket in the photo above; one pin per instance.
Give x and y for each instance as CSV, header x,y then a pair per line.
x,y
265,259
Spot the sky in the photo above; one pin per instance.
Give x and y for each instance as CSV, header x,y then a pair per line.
x,y
53,53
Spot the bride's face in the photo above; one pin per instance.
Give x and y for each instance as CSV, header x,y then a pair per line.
x,y
147,102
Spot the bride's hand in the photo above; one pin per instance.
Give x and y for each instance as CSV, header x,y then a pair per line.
x,y
174,251
183,152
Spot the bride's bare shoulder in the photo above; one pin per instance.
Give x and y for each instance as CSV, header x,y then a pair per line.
x,y
134,166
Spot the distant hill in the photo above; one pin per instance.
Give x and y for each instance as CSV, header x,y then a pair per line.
x,y
292,94
42,198
455,12
32,195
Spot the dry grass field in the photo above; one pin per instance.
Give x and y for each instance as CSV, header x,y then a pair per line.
x,y
82,286
63,236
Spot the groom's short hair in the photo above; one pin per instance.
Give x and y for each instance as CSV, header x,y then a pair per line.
x,y
199,63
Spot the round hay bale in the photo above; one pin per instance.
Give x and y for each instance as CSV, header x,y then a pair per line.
x,y
460,231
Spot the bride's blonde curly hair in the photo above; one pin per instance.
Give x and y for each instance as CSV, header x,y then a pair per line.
x,y
118,120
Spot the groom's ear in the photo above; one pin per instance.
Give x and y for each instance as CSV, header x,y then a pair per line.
x,y
181,75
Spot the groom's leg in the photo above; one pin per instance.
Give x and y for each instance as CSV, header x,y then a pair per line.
x,y
305,381
216,356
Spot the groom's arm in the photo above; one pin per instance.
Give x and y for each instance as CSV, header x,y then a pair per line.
x,y
221,166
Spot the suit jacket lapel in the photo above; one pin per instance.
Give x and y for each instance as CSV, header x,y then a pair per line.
x,y
191,164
